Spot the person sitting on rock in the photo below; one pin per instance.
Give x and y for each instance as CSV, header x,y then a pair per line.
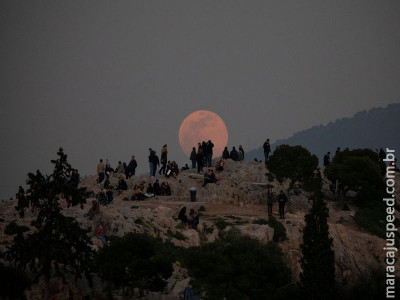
x,y
149,192
109,195
122,185
107,183
234,155
219,165
282,199
182,215
209,177
156,187
137,194
186,167
225,153
167,189
100,234
94,210
102,198
194,219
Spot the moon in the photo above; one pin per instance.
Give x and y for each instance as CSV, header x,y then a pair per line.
x,y
203,125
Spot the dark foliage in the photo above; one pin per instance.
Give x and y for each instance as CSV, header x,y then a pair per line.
x,y
318,271
13,282
279,229
13,228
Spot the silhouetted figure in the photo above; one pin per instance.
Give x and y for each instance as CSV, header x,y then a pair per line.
x,y
164,159
337,150
199,160
225,153
267,150
270,201
205,153
151,161
156,163
156,188
122,186
210,147
109,170
120,168
241,153
282,199
194,219
182,215
327,159
209,177
100,171
193,158
131,169
75,178
234,155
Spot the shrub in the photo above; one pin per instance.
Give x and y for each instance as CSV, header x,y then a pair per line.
x,y
12,282
221,223
177,235
138,261
13,228
260,222
208,230
202,208
279,229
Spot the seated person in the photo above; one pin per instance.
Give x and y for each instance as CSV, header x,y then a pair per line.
x,y
102,198
100,234
182,215
194,219
167,189
219,165
109,195
149,192
156,188
122,186
137,194
186,167
209,177
94,210
107,183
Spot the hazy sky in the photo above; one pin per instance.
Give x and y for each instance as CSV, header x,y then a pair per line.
x,y
107,79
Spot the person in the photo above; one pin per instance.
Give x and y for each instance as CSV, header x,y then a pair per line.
x,y
74,178
234,155
193,157
156,163
282,199
109,195
194,219
120,168
337,150
126,170
100,171
225,153
107,183
156,187
167,189
109,170
205,154
199,160
100,234
241,153
209,147
270,201
150,191
132,167
382,154
209,177
186,167
151,161
94,210
122,186
332,188
327,159
182,215
219,165
102,198
164,159
267,150
137,194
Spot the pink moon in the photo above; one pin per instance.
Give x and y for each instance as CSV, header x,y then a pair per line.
x,y
203,125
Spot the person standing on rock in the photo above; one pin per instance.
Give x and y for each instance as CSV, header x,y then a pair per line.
x,y
151,161
100,171
131,169
199,160
193,158
282,199
120,168
156,163
241,153
164,159
327,159
234,155
270,201
225,154
210,147
267,150
205,154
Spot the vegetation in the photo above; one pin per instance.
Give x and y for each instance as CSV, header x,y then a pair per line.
x,y
13,282
138,261
202,208
177,235
279,229
260,221
237,267
296,164
13,228
58,242
208,230
221,223
318,271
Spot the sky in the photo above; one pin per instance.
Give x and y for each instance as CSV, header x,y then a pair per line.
x,y
108,79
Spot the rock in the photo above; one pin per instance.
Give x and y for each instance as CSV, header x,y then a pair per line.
x,y
263,233
193,238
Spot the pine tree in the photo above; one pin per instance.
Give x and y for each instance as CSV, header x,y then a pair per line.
x,y
318,270
58,244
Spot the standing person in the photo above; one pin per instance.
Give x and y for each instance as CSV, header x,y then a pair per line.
x,y
156,163
199,159
120,168
267,150
131,169
193,158
164,159
225,154
210,147
109,170
327,160
151,161
270,201
100,171
282,199
234,155
241,153
205,154
337,150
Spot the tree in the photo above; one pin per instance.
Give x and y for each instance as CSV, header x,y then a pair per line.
x,y
58,243
296,164
318,272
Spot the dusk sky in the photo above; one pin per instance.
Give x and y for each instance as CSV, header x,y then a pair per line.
x,y
108,79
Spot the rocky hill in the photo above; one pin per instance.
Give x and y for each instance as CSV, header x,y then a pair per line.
x,y
239,198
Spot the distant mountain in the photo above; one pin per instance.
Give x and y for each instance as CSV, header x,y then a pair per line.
x,y
374,129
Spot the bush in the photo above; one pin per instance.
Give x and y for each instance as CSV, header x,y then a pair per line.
x,y
370,219
237,267
177,235
13,228
279,229
202,208
12,283
221,223
138,261
208,230
260,222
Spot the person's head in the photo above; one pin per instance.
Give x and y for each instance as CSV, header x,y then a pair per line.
x,y
199,144
165,146
119,162
101,160
157,181
150,184
194,148
226,148
329,153
233,148
150,149
281,192
240,147
133,157
154,152
209,141
267,140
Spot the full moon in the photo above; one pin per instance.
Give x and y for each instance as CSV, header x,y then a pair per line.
x,y
203,125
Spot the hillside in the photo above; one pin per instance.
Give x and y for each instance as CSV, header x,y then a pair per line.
x,y
239,199
373,129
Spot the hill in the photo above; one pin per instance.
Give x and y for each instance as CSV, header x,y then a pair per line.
x,y
374,129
